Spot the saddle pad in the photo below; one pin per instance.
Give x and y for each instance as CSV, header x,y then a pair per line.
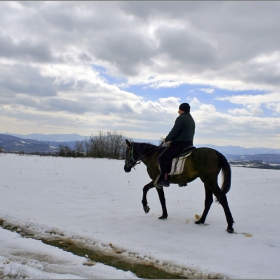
x,y
178,164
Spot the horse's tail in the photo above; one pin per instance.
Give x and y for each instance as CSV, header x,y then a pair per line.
x,y
226,173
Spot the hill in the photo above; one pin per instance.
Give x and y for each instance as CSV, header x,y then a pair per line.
x,y
50,137
11,143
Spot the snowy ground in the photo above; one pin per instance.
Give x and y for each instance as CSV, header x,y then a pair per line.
x,y
95,201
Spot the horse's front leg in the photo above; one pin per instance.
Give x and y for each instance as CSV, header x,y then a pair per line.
x,y
207,204
162,202
144,199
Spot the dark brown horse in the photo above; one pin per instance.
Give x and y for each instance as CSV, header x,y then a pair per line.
x,y
205,163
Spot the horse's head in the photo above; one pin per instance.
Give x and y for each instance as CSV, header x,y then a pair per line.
x,y
130,157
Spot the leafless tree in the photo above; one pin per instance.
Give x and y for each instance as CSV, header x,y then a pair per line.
x,y
106,145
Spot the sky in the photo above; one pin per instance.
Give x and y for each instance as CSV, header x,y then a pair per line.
x,y
126,66
62,198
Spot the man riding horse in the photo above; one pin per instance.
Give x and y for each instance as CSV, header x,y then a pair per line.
x,y
204,163
180,137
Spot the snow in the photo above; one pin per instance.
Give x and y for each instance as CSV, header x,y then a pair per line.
x,y
28,258
95,202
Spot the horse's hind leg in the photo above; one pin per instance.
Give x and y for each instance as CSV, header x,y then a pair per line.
x,y
207,204
212,185
144,199
223,201
163,204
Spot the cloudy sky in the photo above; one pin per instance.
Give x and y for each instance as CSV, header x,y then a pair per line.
x,y
85,67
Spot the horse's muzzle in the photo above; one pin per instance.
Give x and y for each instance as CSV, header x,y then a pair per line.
x,y
127,168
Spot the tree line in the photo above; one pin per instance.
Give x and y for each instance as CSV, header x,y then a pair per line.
x,y
103,145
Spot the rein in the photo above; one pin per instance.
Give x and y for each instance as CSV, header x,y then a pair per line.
x,y
131,162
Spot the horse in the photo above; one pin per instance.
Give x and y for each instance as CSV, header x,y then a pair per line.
x,y
205,163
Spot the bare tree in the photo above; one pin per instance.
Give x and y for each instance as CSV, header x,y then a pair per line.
x,y
79,146
108,145
103,145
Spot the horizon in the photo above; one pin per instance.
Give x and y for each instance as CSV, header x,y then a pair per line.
x,y
66,68
135,139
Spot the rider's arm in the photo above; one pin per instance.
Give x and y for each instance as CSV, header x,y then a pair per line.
x,y
175,130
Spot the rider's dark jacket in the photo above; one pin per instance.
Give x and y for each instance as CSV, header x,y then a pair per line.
x,y
183,129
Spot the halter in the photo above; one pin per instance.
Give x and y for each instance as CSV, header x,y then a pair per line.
x,y
131,162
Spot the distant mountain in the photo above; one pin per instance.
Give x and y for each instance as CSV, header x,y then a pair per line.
x,y
271,158
11,143
51,137
236,150
141,140
264,161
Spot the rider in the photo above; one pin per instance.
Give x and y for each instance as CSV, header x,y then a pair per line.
x,y
180,137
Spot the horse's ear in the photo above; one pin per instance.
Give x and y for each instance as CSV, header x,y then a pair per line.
x,y
128,143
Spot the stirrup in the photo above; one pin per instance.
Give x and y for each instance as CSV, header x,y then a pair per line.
x,y
162,182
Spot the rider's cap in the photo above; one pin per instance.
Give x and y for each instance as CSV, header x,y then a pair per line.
x,y
185,107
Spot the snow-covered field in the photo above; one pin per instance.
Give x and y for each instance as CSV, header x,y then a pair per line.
x,y
96,202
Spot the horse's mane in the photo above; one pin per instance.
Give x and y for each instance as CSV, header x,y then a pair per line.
x,y
143,148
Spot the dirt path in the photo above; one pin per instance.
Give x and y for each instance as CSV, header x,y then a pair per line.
x,y
111,255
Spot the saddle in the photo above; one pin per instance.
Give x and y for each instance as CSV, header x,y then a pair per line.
x,y
186,151
177,166
178,163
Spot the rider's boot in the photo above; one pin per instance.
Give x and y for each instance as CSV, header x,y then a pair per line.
x,y
163,180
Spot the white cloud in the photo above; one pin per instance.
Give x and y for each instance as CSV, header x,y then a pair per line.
x,y
239,112
274,107
252,103
243,127
207,90
48,49
268,58
249,110
256,99
202,107
171,104
167,84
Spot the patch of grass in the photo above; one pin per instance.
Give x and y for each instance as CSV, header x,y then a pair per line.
x,y
142,271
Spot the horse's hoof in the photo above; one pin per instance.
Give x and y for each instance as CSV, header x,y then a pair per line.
x,y
230,230
163,217
146,209
199,222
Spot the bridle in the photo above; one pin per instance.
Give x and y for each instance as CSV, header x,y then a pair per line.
x,y
131,162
